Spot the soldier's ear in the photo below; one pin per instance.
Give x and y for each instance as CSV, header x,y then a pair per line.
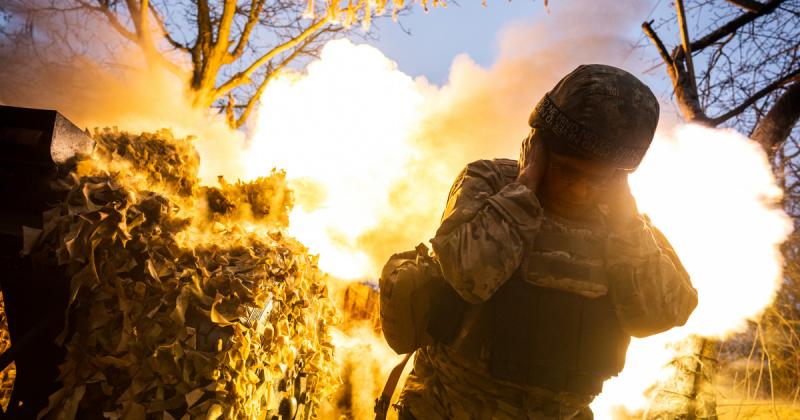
x,y
526,149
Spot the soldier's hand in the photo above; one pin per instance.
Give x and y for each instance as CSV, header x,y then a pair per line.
x,y
533,164
621,204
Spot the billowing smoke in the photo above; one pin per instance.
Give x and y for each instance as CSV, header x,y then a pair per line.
x,y
482,113
712,192
423,133
379,187
82,68
371,153
386,148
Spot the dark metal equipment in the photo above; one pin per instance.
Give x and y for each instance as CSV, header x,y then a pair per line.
x,y
36,148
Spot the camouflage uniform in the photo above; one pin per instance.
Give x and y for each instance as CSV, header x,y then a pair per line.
x,y
487,226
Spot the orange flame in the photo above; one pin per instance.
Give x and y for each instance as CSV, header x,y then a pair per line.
x,y
345,133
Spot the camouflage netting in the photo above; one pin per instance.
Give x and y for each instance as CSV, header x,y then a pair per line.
x,y
8,374
186,300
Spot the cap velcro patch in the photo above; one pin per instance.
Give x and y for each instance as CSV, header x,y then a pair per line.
x,y
547,115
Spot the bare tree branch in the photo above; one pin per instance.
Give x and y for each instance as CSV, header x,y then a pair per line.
x,y
748,5
224,31
112,19
228,42
218,49
271,74
136,16
776,126
662,50
777,84
244,75
685,92
164,32
141,34
202,44
734,25
687,47
256,6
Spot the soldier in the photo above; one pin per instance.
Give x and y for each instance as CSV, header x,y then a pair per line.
x,y
553,268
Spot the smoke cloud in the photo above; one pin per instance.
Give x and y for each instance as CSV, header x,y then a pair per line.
x,y
482,113
83,69
372,152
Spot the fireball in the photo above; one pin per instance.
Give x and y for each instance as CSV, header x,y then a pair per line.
x,y
344,132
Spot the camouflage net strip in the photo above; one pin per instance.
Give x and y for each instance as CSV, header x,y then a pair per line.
x,y
8,374
185,300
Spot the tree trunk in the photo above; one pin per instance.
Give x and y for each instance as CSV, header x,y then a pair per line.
x,y
689,392
776,126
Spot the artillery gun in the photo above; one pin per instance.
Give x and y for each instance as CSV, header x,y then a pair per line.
x,y
37,147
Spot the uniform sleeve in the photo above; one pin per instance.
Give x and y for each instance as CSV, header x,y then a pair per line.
x,y
480,242
651,290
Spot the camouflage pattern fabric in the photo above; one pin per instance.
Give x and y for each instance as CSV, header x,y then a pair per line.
x,y
600,112
568,256
486,225
445,385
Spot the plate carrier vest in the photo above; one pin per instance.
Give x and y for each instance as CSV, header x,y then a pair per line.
x,y
551,325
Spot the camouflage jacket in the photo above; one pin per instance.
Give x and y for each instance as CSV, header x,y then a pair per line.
x,y
488,220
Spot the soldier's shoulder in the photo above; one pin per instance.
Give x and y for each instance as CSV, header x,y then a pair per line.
x,y
509,167
493,167
497,172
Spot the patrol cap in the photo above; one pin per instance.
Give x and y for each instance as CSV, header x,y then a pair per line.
x,y
599,112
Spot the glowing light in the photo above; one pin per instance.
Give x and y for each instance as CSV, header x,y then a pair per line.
x,y
366,359
342,134
713,194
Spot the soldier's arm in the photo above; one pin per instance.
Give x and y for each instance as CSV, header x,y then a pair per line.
x,y
651,289
480,241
